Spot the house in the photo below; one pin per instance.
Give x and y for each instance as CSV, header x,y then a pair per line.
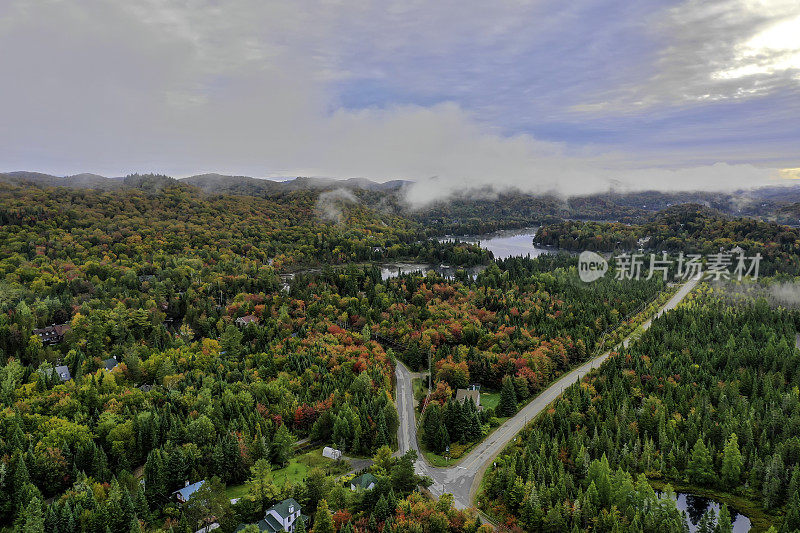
x,y
331,453
110,364
363,482
463,394
62,371
52,334
183,495
280,517
244,320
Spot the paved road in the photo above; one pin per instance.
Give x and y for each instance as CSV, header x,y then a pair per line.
x,y
462,480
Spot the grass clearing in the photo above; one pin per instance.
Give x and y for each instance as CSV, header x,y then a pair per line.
x,y
297,470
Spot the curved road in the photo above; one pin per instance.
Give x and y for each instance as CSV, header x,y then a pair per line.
x,y
462,480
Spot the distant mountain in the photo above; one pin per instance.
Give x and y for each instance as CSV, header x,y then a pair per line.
x,y
221,184
210,183
483,209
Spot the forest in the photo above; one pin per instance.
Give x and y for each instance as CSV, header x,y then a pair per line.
x,y
688,228
158,335
706,399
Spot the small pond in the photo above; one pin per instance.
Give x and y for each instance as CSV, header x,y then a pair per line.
x,y
695,506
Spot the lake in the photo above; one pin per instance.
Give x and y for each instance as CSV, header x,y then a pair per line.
x,y
694,506
504,244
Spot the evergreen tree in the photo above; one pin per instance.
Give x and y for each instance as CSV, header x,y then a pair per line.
x,y
508,398
323,521
724,524
33,517
700,469
732,462
791,522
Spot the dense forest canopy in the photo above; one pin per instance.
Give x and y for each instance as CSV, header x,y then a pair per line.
x,y
155,334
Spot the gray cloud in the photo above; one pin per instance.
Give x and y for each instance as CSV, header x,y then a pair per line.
x,y
330,203
254,88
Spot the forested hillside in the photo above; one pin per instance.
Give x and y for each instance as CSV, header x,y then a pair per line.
x,y
685,228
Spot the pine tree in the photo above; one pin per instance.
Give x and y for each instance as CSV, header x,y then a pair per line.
x,y
508,398
381,509
792,520
724,524
33,517
700,469
323,521
732,463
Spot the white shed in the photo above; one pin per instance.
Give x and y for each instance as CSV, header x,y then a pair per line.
x,y
331,453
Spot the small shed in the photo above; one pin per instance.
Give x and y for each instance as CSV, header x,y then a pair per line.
x,y
331,453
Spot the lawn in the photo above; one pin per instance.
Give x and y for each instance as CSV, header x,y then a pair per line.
x,y
489,400
296,471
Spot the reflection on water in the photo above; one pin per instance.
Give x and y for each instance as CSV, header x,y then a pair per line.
x,y
392,270
695,506
505,244
502,244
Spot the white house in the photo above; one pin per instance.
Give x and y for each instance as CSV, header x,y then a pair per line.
x,y
281,517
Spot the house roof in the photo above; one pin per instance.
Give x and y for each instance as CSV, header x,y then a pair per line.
x,y
247,319
62,371
282,508
110,364
364,480
186,492
463,394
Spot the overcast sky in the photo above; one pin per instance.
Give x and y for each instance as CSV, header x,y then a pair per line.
x,y
546,95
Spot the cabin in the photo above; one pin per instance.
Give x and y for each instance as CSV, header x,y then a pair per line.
x,y
245,320
331,453
363,482
282,516
182,495
474,393
53,334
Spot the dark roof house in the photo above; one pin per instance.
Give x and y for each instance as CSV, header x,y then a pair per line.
x,y
52,334
110,364
280,517
364,482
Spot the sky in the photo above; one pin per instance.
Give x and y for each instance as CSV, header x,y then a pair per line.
x,y
547,96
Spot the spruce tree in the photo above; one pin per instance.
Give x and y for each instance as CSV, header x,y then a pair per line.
x,y
700,469
731,463
508,398
323,521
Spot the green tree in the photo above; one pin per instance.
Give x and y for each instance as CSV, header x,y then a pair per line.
x,y
732,463
260,485
33,517
282,447
700,469
323,521
508,398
